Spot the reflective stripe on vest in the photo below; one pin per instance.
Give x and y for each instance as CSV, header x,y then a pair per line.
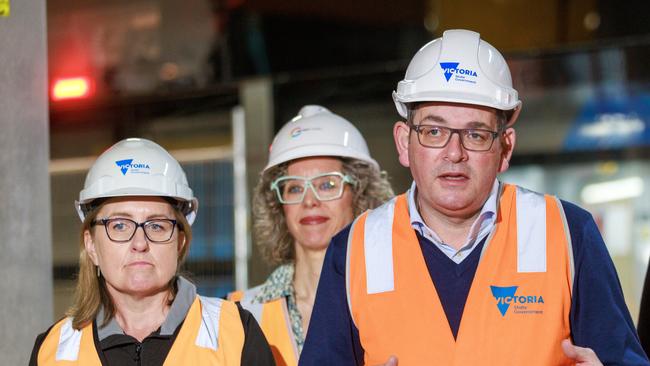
x,y
518,305
65,345
211,334
273,317
209,330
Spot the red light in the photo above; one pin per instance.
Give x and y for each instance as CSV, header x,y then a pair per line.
x,y
71,88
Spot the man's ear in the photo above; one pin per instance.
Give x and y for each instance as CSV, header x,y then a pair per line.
x,y
89,244
401,135
509,137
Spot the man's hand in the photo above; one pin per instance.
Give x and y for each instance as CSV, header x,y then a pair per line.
x,y
392,361
582,356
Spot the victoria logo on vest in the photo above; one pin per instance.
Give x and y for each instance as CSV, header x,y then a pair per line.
x,y
523,304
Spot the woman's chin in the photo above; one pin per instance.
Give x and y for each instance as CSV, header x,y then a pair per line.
x,y
142,286
314,246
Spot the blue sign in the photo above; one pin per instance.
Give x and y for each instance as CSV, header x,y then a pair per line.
x,y
611,123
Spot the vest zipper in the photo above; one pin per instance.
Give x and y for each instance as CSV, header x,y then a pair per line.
x,y
138,350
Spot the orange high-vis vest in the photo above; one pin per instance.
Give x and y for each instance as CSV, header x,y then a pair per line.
x,y
274,320
212,334
517,309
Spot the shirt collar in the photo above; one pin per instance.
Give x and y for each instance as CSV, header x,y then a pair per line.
x,y
483,223
180,306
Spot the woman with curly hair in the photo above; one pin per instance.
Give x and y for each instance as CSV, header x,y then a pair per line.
x,y
319,177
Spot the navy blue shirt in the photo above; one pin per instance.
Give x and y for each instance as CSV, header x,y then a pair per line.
x,y
599,318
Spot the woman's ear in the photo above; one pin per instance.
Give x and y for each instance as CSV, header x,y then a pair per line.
x,y
89,244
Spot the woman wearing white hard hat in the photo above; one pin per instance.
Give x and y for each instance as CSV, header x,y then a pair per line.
x,y
131,307
319,177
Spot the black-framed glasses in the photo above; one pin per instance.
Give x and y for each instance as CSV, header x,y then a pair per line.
x,y
472,139
291,189
121,230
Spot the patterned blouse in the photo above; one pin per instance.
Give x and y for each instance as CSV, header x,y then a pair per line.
x,y
280,284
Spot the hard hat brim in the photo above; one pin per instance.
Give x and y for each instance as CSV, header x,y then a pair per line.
x,y
192,203
131,192
318,150
450,97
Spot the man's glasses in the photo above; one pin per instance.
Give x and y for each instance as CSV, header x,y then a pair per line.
x,y
472,139
121,230
326,187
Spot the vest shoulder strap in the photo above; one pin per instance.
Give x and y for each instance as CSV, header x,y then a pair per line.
x,y
531,231
569,242
67,345
378,248
377,225
212,334
69,342
210,316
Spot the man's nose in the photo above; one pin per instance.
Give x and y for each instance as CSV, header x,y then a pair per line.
x,y
454,151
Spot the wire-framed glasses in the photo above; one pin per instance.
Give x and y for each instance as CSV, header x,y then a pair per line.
x,y
326,187
472,139
121,230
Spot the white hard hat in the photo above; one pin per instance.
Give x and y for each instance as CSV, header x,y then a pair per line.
x,y
316,131
137,167
459,67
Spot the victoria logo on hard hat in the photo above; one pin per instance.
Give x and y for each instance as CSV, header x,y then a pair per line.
x,y
299,130
450,69
523,304
127,165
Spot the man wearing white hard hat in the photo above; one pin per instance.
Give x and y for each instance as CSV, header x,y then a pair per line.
x,y
131,306
463,269
319,176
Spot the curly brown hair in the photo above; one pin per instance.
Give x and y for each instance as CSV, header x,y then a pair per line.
x,y
270,228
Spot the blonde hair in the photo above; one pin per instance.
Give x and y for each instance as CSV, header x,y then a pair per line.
x,y
270,228
91,293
